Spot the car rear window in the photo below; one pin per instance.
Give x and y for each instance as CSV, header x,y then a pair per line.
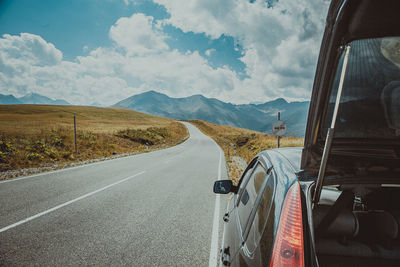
x,y
370,103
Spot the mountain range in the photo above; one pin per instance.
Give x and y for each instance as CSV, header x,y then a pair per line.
x,y
259,117
31,98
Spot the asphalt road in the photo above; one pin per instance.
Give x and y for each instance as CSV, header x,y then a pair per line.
x,y
152,209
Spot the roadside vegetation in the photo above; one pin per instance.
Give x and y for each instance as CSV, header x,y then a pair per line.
x,y
238,143
34,136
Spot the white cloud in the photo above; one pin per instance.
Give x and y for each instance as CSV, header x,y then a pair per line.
x,y
29,48
20,56
209,52
280,50
30,64
280,44
137,35
108,75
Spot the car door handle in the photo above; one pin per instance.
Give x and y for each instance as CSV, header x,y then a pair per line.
x,y
226,217
226,257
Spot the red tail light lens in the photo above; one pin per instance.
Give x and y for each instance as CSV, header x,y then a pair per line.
x,y
289,245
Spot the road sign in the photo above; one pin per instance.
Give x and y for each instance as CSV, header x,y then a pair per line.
x,y
279,128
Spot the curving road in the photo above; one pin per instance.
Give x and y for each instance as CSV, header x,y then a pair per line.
x,y
152,209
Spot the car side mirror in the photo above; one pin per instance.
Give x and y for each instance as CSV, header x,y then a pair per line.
x,y
224,187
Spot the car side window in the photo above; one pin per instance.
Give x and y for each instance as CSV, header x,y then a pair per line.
x,y
264,207
248,171
261,222
249,194
243,181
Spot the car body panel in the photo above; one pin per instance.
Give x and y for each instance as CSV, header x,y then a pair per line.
x,y
347,21
231,240
285,163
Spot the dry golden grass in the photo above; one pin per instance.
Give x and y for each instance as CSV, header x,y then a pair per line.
x,y
242,142
32,119
39,135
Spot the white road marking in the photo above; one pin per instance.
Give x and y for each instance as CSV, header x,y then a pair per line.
x,y
66,203
45,173
212,262
63,169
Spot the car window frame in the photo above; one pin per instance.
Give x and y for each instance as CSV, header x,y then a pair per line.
x,y
249,224
244,232
257,202
268,170
239,200
243,183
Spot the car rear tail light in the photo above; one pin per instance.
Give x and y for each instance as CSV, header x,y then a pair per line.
x,y
289,247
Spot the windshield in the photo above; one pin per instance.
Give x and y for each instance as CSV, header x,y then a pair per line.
x,y
370,103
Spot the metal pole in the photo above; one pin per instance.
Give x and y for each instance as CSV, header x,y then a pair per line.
x,y
279,138
331,130
76,147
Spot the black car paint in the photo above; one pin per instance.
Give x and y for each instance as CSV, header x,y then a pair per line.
x,y
307,189
283,162
346,21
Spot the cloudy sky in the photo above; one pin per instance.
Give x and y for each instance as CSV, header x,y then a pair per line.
x,y
90,51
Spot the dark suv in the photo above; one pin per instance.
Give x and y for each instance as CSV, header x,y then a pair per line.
x,y
336,202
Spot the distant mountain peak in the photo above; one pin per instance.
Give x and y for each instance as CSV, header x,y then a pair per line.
x,y
9,100
153,93
257,117
278,101
34,94
31,98
197,96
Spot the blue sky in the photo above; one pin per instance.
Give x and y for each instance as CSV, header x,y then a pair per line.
x,y
69,25
72,25
236,51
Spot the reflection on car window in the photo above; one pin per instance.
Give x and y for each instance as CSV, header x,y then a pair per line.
x,y
265,204
243,183
259,178
262,215
243,180
249,194
370,103
245,197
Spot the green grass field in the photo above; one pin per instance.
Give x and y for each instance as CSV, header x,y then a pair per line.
x,y
39,135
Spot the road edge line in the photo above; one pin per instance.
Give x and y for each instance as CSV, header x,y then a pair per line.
x,y
212,262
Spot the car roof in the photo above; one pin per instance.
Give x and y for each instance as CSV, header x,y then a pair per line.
x,y
291,154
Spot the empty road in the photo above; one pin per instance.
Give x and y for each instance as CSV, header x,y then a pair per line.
x,y
152,209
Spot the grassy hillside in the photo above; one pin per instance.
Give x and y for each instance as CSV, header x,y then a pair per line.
x,y
258,117
38,135
242,143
